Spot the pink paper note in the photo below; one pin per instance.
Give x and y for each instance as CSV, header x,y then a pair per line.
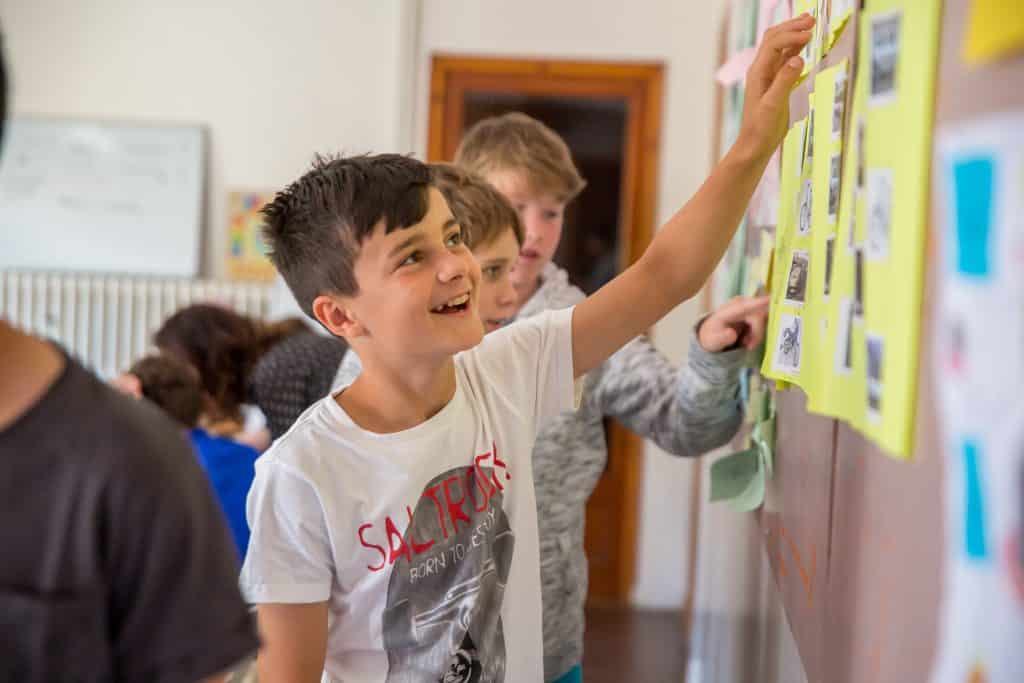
x,y
735,69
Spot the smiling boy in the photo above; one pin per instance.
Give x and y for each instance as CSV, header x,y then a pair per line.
x,y
394,529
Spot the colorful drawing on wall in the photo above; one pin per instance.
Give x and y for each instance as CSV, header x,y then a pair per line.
x,y
247,254
995,30
973,180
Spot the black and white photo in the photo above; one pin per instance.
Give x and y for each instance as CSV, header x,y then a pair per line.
x,y
829,257
885,53
858,282
834,176
804,209
796,282
879,207
787,344
810,138
839,105
844,338
874,363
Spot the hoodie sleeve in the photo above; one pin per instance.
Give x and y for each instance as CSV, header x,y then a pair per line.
x,y
686,412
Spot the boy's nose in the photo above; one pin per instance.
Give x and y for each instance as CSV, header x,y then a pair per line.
x,y
452,267
507,295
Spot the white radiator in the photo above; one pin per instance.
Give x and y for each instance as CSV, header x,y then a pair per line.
x,y
107,321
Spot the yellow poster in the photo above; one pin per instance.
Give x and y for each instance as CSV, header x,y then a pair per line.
x,y
995,29
247,255
842,395
899,46
829,98
784,353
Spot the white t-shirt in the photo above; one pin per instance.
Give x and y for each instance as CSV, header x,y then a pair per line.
x,y
424,541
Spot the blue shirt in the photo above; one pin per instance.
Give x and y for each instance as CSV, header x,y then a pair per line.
x,y
230,467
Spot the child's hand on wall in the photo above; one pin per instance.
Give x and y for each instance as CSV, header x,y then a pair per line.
x,y
739,322
771,77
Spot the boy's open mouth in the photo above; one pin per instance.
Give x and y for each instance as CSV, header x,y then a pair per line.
x,y
456,304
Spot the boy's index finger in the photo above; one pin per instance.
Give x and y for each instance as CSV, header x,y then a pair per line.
x,y
754,305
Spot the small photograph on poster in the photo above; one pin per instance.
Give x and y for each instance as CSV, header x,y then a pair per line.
x,y
844,338
830,244
885,53
874,356
839,105
860,154
879,203
796,283
810,138
833,187
804,209
787,345
247,253
851,235
858,283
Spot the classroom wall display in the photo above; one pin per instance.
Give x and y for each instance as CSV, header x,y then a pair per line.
x,y
246,257
979,332
861,313
99,196
901,569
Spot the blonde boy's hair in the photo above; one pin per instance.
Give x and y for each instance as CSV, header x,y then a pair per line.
x,y
517,142
481,210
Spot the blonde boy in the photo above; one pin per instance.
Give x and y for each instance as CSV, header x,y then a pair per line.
x,y
686,412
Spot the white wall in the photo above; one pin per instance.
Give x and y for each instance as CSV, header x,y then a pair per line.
x,y
273,81
681,34
276,81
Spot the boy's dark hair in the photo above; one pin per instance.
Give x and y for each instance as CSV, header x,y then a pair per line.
x,y
223,346
481,210
316,225
173,385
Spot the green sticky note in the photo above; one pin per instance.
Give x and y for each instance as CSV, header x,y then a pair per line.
x,y
753,495
763,438
732,475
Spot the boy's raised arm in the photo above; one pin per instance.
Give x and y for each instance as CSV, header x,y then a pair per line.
x,y
294,642
684,252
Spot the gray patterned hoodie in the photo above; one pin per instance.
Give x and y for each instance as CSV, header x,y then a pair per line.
x,y
685,412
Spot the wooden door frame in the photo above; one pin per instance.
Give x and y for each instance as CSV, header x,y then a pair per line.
x,y
640,84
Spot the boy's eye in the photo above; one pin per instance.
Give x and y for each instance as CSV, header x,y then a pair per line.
x,y
550,215
492,273
414,257
454,239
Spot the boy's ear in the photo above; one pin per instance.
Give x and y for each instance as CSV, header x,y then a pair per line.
x,y
334,314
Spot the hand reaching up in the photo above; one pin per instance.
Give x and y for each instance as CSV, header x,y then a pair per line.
x,y
771,77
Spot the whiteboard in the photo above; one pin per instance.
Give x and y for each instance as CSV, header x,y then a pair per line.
x,y
101,197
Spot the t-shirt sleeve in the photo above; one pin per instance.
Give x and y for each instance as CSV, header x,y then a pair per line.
x,y
176,611
531,361
289,557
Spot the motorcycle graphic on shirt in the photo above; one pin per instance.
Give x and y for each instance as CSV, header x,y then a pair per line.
x,y
442,620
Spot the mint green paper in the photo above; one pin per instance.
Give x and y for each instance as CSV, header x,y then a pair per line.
x,y
753,495
732,475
